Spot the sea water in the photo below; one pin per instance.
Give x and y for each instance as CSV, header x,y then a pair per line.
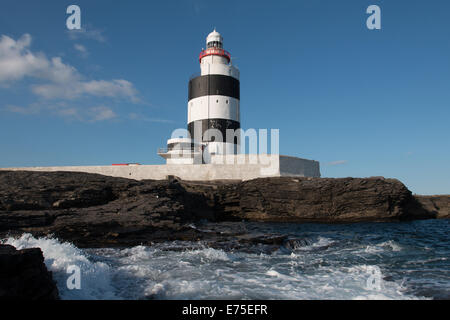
x,y
408,260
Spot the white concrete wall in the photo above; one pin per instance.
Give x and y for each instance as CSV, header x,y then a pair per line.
x,y
246,167
179,160
199,172
293,166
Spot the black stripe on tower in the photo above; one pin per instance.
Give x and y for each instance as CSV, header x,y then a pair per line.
x,y
214,84
220,124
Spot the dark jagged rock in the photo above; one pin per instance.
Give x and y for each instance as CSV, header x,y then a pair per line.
x,y
92,210
125,212
319,200
24,276
437,205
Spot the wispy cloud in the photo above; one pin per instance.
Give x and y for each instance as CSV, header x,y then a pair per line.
x,y
102,113
32,109
88,33
64,110
81,49
69,113
97,88
63,81
197,6
336,163
135,116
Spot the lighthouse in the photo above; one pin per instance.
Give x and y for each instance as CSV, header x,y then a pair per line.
x,y
213,110
214,98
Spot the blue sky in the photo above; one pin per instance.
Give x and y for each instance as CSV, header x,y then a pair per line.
x,y
363,103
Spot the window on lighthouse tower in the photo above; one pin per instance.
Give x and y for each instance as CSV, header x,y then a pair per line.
x,y
215,44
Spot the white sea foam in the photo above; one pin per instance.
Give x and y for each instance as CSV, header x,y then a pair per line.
x,y
387,245
210,254
95,277
206,273
321,242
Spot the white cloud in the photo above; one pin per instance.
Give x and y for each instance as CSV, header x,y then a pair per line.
x,y
337,163
63,81
88,32
135,116
69,112
16,62
92,114
32,109
102,113
98,88
81,49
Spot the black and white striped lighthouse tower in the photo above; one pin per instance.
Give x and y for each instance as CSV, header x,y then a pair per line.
x,y
213,108
214,98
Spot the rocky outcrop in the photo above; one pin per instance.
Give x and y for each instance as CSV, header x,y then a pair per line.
x,y
315,200
93,210
436,205
24,276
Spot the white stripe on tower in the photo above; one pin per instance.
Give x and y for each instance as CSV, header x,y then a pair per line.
x,y
214,107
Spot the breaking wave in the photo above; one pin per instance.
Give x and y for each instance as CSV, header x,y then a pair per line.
x,y
96,276
310,265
